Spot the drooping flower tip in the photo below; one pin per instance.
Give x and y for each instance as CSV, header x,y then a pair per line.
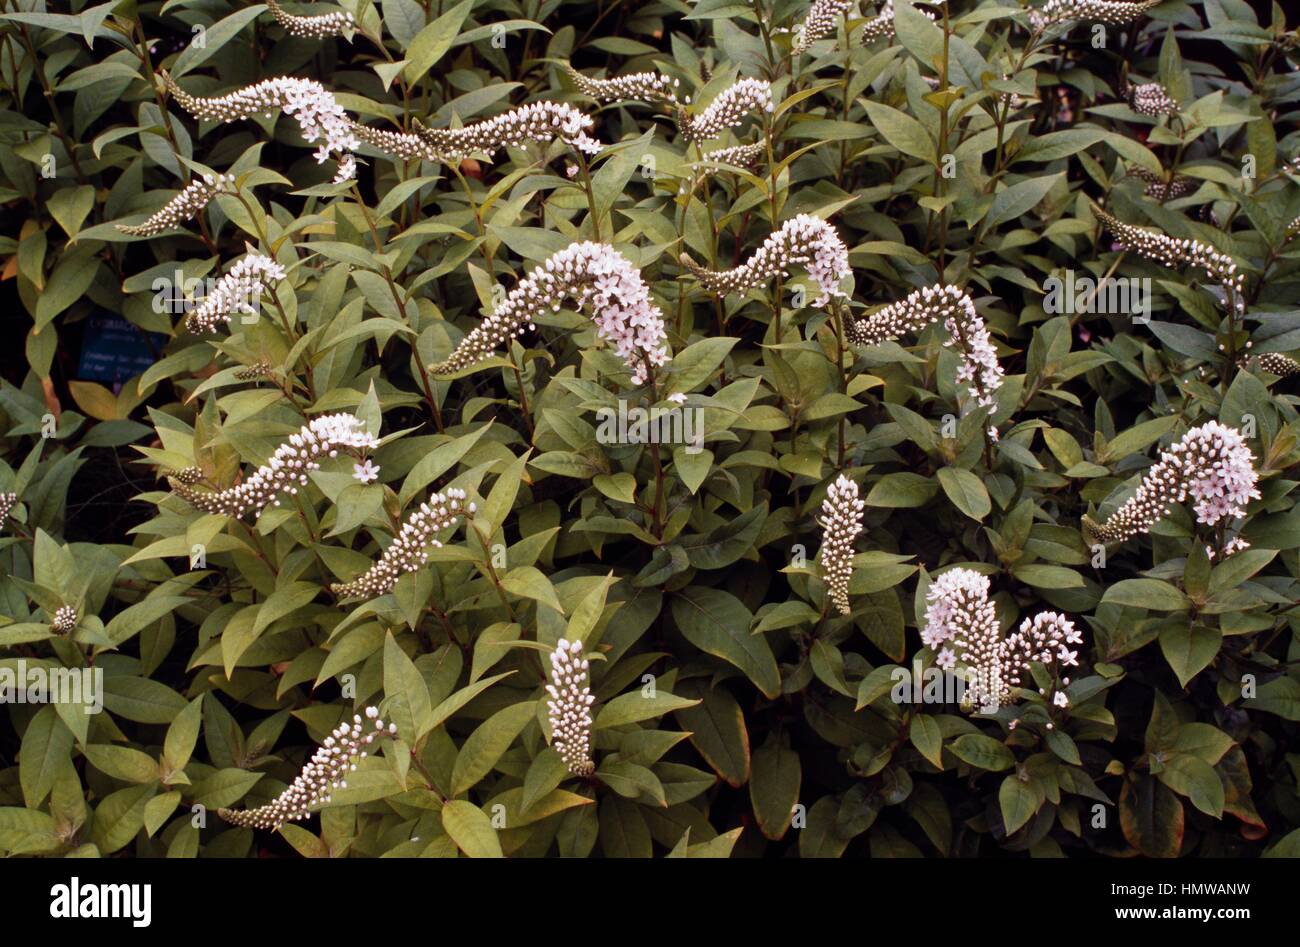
x,y
601,282
193,198
639,86
1212,465
805,240
731,107
312,27
962,623
288,468
408,551
534,122
326,771
239,291
967,332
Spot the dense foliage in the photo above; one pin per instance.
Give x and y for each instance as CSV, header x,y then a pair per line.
x,y
723,400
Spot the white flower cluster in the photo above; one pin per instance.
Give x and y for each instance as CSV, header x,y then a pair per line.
x,y
65,620
287,469
841,521
601,281
960,621
882,24
312,27
1151,99
401,144
193,198
1230,548
239,291
8,501
187,475
740,156
1110,12
966,330
639,86
326,771
318,113
1278,364
537,121
806,240
569,707
1175,252
1212,464
728,110
1156,186
822,17
259,369
409,549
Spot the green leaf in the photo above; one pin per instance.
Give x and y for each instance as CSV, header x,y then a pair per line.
x,y
408,703
982,751
1189,648
486,745
1011,202
717,623
1195,779
1151,594
635,706
471,829
433,41
925,735
966,491
1018,802
901,491
902,131
774,786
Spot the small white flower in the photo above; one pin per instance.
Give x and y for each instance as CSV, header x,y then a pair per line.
x,y
677,398
1061,700
366,472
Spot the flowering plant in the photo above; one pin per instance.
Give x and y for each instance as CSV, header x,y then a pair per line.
x,y
570,429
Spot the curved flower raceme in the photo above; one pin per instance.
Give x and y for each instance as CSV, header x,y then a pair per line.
x,y
806,240
312,27
1175,252
8,501
600,280
326,771
638,86
1155,185
822,17
966,331
402,144
1211,464
1110,12
537,121
193,198
239,291
1151,99
569,707
287,469
319,115
841,519
961,623
409,549
731,107
741,156
1274,362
